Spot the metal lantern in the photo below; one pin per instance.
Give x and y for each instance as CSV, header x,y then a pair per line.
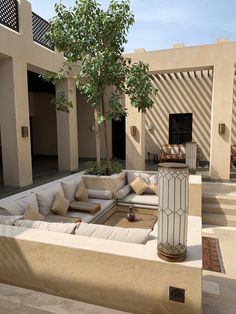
x,y
173,211
191,156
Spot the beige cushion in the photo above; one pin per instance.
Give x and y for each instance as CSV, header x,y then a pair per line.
x,y
81,193
166,149
154,188
32,214
174,150
60,205
139,186
132,235
47,226
182,150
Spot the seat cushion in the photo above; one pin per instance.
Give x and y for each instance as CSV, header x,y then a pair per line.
x,y
131,235
47,226
9,220
144,199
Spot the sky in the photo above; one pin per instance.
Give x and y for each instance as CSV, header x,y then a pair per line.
x,y
161,23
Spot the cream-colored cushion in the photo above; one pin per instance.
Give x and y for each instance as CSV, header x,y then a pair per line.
x,y
47,226
123,192
9,220
101,194
81,193
70,188
19,206
32,214
60,205
132,235
166,149
174,150
46,198
139,186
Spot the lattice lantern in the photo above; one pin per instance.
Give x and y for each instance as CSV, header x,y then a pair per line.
x,y
173,181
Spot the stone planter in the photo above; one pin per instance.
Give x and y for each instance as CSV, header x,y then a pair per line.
x,y
113,183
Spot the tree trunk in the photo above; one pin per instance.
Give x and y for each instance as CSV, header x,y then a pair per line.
x,y
97,138
106,138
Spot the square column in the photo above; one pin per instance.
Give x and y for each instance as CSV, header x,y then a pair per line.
x,y
135,137
14,114
221,113
67,129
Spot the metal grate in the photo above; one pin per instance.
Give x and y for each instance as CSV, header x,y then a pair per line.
x,y
9,14
40,28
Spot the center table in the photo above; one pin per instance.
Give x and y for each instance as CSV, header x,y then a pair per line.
x,y
145,218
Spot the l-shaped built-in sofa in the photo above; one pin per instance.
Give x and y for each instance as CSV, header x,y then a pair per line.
x,y
109,266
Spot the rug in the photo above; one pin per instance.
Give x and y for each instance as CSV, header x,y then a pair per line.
x,y
211,255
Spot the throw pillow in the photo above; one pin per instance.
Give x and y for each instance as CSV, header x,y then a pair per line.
x,y
32,214
81,193
60,205
139,186
154,188
46,198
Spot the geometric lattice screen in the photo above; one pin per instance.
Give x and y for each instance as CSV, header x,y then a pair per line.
x,y
40,27
9,14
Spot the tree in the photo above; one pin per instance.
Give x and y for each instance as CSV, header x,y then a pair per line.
x,y
95,38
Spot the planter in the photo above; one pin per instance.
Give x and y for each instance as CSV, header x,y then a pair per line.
x,y
113,183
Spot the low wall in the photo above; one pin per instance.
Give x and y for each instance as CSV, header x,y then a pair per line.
x,y
113,274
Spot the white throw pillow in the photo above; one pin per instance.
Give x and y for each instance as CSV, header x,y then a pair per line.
x,y
132,235
70,188
19,206
46,198
123,192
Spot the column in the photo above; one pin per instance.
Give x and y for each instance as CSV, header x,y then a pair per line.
x,y
135,137
14,114
221,113
67,129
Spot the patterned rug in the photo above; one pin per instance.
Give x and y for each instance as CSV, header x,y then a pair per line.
x,y
211,255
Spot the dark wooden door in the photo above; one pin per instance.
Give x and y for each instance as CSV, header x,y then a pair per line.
x,y
180,128
118,139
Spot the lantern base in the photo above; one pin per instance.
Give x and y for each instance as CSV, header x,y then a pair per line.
x,y
172,258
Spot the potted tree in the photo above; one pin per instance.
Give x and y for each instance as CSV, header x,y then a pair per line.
x,y
95,39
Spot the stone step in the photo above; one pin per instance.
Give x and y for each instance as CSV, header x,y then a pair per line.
x,y
218,199
219,208
220,220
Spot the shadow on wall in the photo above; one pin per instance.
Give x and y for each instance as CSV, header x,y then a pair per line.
x,y
181,92
134,160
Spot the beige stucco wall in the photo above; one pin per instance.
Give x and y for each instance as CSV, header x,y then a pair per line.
x,y
124,276
221,57
180,92
86,137
233,138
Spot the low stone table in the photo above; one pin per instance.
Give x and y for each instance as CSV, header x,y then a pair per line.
x,y
145,218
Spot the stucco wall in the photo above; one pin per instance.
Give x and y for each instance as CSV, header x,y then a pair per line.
x,y
180,92
86,137
233,134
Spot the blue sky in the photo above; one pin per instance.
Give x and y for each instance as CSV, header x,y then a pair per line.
x,y
161,23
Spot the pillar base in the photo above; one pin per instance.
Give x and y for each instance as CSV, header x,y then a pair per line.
x,y
172,258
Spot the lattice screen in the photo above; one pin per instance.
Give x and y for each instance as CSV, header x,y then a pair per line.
x,y
9,14
40,28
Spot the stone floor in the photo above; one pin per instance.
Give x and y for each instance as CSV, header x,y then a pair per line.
x,y
219,289
14,300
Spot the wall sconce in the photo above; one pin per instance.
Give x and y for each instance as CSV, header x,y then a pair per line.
x,y
92,128
133,130
173,211
24,131
221,128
